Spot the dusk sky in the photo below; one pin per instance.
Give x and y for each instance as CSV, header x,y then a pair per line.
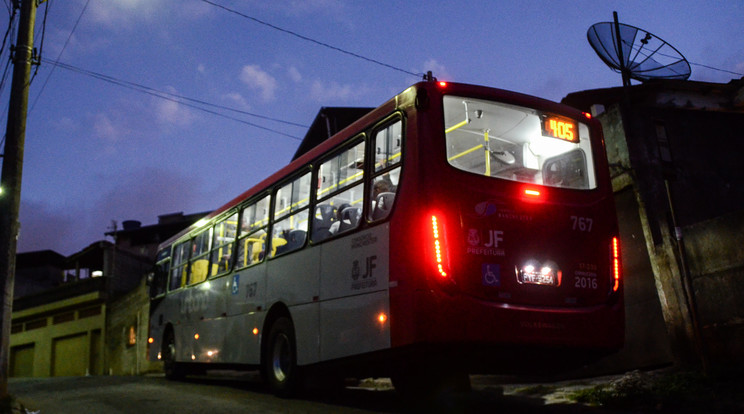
x,y
102,150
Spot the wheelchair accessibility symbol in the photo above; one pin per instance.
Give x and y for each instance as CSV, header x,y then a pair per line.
x,y
491,274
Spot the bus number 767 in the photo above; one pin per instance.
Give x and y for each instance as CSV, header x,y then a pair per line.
x,y
581,223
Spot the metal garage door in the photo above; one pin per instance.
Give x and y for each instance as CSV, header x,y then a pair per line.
x,y
22,361
70,356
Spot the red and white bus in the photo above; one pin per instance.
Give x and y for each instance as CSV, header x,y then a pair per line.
x,y
455,229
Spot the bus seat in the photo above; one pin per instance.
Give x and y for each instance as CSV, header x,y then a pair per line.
x,y
349,218
295,240
277,246
383,205
322,220
199,271
566,170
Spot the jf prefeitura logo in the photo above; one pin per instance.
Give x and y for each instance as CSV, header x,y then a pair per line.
x,y
363,274
485,242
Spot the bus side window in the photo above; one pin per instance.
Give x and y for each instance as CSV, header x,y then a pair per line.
x,y
340,193
200,257
388,147
290,226
252,242
222,245
159,282
179,269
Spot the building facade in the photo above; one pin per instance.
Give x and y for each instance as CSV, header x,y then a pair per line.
x,y
87,314
674,149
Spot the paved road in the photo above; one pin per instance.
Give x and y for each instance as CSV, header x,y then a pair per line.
x,y
215,395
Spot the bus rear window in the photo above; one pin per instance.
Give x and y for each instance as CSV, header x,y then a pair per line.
x,y
519,144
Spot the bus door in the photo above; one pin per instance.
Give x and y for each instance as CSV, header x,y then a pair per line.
x,y
355,294
246,292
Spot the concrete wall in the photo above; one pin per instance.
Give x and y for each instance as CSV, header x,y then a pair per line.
x,y
716,263
128,318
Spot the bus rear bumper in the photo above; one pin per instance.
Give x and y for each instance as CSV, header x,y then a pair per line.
x,y
493,337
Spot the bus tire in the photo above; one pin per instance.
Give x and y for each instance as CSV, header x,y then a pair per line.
x,y
280,362
173,370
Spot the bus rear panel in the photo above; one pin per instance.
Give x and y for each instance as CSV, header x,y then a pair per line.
x,y
515,221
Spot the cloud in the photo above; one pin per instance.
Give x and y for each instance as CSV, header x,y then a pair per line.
x,y
105,129
294,74
142,195
126,14
237,100
44,228
333,91
438,70
171,113
255,78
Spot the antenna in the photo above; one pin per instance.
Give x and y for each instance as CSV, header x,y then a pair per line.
x,y
636,53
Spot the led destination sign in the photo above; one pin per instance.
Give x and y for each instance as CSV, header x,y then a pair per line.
x,y
559,127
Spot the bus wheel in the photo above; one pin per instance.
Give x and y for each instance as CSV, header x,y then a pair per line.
x,y
280,361
173,369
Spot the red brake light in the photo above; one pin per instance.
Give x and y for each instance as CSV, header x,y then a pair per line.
x,y
587,115
616,263
531,192
442,84
439,249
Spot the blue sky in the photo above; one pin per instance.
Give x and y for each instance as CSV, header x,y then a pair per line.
x,y
96,151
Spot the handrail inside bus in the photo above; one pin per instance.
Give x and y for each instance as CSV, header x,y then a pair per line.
x,y
460,124
466,152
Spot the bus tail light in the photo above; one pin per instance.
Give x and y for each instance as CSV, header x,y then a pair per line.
x,y
615,271
440,249
439,252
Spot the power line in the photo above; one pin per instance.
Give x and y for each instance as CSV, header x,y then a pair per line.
x,y
311,40
638,50
74,27
180,99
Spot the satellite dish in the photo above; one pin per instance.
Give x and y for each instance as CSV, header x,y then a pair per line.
x,y
638,54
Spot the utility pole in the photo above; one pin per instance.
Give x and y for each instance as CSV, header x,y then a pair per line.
x,y
10,198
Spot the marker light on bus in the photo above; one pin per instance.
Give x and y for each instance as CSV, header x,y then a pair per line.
x,y
382,318
255,331
150,340
616,263
532,192
438,246
587,115
196,336
442,84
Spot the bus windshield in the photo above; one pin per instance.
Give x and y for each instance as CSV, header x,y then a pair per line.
x,y
519,144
